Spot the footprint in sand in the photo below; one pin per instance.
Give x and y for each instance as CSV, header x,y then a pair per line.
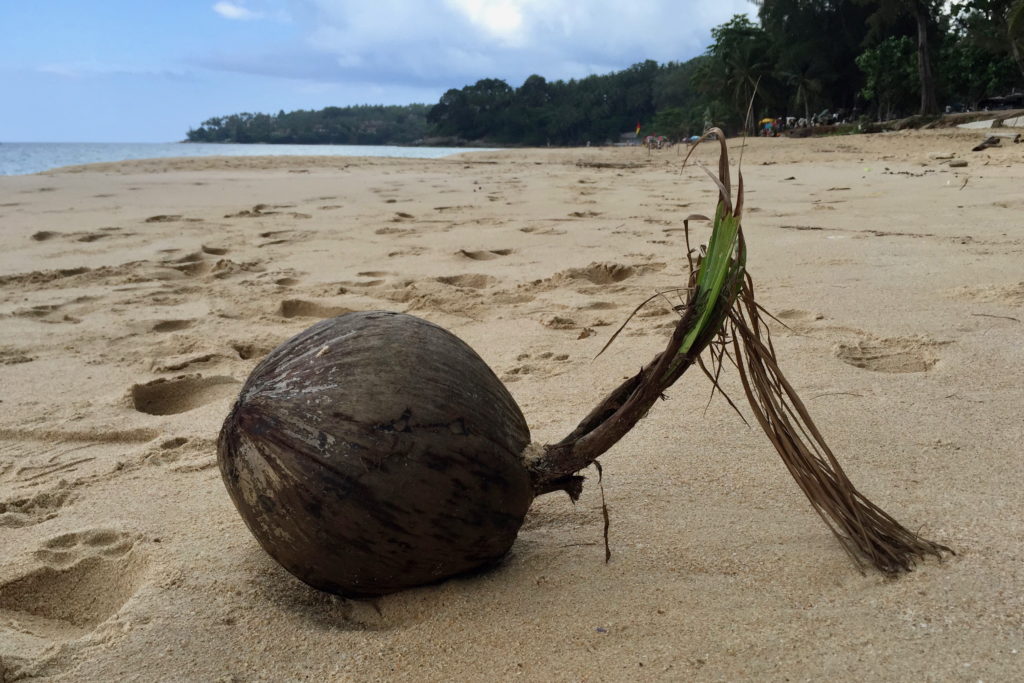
x,y
38,277
281,237
250,349
11,355
92,236
1008,294
254,212
864,350
653,311
802,322
546,367
598,306
302,308
469,280
542,231
170,325
892,355
601,273
608,273
411,251
181,394
182,361
377,275
28,509
519,372
558,322
484,254
788,315
182,454
193,264
281,278
35,461
79,581
46,313
394,231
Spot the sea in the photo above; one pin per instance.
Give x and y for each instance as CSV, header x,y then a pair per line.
x,y
19,158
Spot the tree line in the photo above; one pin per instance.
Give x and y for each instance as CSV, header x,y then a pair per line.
x,y
358,125
823,59
852,60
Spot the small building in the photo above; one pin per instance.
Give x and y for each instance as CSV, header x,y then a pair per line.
x,y
630,139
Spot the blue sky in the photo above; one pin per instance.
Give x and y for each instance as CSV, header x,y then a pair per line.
x,y
147,70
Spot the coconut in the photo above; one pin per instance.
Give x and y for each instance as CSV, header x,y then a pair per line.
x,y
364,477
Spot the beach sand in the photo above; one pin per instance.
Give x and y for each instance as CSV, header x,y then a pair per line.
x,y
136,297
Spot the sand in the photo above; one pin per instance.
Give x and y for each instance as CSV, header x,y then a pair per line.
x,y
135,297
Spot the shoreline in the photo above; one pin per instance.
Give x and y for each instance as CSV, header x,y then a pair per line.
x,y
39,157
944,133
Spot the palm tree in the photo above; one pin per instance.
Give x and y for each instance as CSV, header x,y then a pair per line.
x,y
804,79
1015,32
887,12
745,67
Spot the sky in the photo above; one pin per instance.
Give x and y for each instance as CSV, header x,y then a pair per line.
x,y
148,70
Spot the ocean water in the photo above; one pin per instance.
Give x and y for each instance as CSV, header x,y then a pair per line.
x,y
19,158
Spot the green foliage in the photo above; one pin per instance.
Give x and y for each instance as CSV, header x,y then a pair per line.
x,y
595,109
972,74
671,122
890,75
989,31
816,42
740,62
360,125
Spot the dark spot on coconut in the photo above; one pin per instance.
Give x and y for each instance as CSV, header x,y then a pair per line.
x,y
399,425
439,464
267,503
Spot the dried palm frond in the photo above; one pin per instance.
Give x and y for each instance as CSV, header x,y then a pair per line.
x,y
863,528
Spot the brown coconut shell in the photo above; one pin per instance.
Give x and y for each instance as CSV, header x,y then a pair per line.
x,y
376,451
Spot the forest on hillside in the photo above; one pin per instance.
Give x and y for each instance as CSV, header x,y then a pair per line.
x,y
856,60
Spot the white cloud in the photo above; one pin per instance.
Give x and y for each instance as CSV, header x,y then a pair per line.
x,y
230,10
502,19
449,43
90,69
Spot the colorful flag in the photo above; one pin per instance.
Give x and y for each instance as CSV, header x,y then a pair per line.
x,y
638,128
